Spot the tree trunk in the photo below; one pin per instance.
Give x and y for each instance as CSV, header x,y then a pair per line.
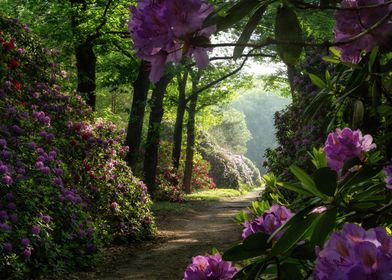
x,y
136,118
177,136
153,135
86,63
290,76
190,145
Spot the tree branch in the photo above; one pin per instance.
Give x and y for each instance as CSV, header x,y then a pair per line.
x,y
123,51
273,41
217,81
103,22
304,5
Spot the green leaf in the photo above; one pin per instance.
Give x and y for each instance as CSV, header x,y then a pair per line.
x,y
294,234
251,271
327,75
325,224
290,271
215,17
241,217
335,51
288,29
319,158
305,179
315,105
293,220
372,58
385,110
331,59
236,13
317,81
248,30
214,251
326,180
259,207
364,174
369,193
256,241
294,188
348,164
253,246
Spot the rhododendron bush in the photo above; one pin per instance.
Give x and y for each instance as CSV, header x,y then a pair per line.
x,y
337,224
170,180
349,188
64,189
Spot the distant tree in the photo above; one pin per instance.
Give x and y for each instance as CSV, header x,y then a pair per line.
x,y
232,133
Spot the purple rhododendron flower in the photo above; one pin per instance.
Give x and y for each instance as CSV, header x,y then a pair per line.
x,y
388,173
270,221
11,206
114,205
3,143
346,144
7,246
5,227
165,31
25,242
209,267
3,215
350,23
355,253
13,218
58,182
45,219
27,253
35,229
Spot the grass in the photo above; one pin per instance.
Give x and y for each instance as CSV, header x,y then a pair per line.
x,y
208,195
215,194
176,207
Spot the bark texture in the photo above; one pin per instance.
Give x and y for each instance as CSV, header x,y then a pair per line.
x,y
153,135
177,136
136,118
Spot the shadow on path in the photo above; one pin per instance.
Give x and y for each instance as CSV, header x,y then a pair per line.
x,y
181,236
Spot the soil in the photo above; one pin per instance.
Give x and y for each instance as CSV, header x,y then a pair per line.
x,y
207,224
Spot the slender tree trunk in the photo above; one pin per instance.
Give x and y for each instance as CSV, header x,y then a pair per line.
x,y
177,136
86,66
136,118
153,135
190,145
290,76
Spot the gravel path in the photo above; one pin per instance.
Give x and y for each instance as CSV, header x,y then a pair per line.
x,y
181,236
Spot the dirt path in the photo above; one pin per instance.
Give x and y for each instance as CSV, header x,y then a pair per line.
x,y
181,236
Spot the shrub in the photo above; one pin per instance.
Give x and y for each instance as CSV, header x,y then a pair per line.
x,y
170,180
64,189
294,136
228,170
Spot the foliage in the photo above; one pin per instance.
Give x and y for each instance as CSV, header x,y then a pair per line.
x,y
170,180
259,108
232,133
167,206
214,194
65,190
328,201
228,170
296,137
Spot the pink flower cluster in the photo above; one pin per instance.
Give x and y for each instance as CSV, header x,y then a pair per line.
x,y
355,253
167,30
209,267
270,221
351,22
346,144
